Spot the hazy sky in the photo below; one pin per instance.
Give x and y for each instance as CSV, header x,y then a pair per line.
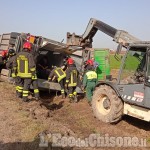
x,y
54,18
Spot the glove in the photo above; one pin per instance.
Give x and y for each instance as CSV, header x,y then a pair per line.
x,y
34,77
13,75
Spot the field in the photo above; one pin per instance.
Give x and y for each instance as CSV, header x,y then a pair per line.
x,y
23,123
115,65
115,62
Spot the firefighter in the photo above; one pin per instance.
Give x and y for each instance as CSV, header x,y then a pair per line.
x,y
85,67
35,79
58,74
10,61
9,65
89,81
25,69
88,63
71,79
4,56
43,68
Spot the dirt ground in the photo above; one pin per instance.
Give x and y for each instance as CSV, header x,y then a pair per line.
x,y
21,124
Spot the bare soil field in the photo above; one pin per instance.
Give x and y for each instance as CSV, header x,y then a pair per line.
x,y
21,124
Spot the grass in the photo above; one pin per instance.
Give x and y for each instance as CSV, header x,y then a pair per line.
x,y
131,62
32,129
114,63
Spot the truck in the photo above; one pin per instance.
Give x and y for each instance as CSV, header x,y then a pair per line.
x,y
7,40
43,48
129,94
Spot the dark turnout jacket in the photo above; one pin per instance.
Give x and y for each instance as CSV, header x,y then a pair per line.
x,y
25,64
10,62
71,76
58,73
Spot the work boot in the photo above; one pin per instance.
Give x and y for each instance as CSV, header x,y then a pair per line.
x,y
37,98
75,99
71,99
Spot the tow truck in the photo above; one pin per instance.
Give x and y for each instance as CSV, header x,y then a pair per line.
x,y
130,94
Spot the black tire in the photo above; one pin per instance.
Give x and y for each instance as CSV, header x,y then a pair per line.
x,y
113,110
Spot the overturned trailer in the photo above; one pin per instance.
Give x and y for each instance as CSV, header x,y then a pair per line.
x,y
54,52
7,40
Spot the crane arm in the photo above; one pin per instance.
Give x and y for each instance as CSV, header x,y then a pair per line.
x,y
85,40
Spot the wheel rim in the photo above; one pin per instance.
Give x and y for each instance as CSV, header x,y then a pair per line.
x,y
103,104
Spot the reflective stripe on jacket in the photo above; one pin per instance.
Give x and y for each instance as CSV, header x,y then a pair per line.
x,y
25,65
72,76
60,74
91,75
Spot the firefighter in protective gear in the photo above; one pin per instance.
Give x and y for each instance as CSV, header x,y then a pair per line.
x,y
35,79
9,65
4,55
71,80
88,63
89,82
11,59
58,74
25,69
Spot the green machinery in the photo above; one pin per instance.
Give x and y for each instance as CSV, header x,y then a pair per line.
x,y
102,57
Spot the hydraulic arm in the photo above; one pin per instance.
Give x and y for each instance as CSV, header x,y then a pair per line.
x,y
85,40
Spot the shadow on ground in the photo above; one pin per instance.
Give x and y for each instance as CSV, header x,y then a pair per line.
x,y
137,122
48,100
34,145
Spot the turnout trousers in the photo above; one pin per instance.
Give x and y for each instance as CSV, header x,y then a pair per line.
x,y
24,86
35,88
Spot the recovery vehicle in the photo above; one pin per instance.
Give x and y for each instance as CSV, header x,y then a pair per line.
x,y
130,94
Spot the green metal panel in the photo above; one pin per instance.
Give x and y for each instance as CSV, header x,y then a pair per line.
x,y
102,57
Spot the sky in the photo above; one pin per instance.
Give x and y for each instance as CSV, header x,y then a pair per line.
x,y
54,18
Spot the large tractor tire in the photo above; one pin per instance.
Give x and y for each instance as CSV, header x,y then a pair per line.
x,y
106,105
